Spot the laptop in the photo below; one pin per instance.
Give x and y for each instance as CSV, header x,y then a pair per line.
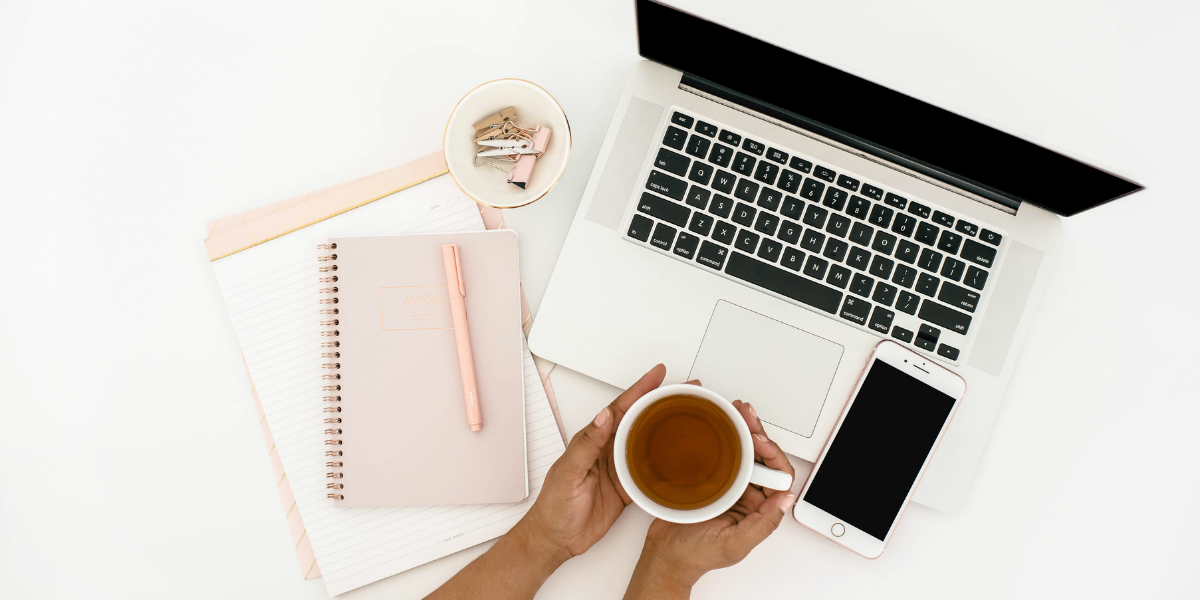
x,y
761,221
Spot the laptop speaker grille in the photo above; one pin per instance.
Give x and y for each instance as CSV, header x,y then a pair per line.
x,y
625,161
1007,305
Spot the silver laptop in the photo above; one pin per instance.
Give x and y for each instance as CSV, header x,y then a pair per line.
x,y
761,221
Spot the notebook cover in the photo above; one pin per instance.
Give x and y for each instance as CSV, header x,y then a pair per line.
x,y
405,439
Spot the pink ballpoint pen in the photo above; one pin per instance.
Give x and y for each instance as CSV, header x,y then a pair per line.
x,y
462,337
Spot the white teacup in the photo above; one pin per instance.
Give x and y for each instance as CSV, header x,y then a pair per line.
x,y
748,471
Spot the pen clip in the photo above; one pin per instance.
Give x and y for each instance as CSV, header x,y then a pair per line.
x,y
458,275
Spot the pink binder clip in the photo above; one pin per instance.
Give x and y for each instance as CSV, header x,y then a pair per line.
x,y
524,166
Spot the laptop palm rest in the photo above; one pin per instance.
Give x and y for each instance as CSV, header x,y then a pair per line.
x,y
783,371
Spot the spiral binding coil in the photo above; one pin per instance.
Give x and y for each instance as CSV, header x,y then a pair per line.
x,y
330,361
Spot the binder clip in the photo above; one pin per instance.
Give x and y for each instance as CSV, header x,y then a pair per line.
x,y
501,139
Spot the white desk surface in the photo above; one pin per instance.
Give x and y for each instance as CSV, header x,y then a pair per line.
x,y
133,462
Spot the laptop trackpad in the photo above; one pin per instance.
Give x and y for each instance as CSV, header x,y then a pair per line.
x,y
783,371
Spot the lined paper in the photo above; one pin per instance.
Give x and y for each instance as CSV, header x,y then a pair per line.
x,y
271,291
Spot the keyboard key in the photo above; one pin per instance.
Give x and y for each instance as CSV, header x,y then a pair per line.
x,y
927,284
881,216
904,276
881,267
835,198
893,200
769,250
884,294
789,181
701,223
881,319
835,250
872,192
811,190
861,234
856,310
672,162
979,253
815,216
789,231
685,246
675,138
721,206
743,164
944,316
816,267
858,258
770,198
907,303
663,209
918,209
976,277
812,240
839,276
744,214
746,190
723,181
907,251
666,185
838,225
663,236
792,207
849,183
884,242
712,255
953,269
927,337
948,352
824,173
862,285
730,137
858,207
747,241
990,237
753,147
966,228
943,219
682,120
700,173
721,155
959,297
639,228
777,155
706,128
902,334
950,242
697,196
766,172
775,279
698,146
800,164
926,234
930,260
724,232
904,225
792,259
766,223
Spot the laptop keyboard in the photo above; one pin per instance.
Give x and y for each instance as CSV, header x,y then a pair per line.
x,y
814,234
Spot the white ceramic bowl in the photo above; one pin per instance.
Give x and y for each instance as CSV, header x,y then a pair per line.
x,y
535,106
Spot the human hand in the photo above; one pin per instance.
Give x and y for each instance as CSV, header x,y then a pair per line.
x,y
581,497
676,555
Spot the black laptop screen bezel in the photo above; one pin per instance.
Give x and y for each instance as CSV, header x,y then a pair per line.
x,y
870,117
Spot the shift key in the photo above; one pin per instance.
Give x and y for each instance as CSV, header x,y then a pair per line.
x,y
666,185
944,316
959,297
666,210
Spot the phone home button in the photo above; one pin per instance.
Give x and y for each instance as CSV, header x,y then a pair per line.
x,y
838,530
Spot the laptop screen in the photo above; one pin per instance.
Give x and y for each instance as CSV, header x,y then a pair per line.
x,y
870,117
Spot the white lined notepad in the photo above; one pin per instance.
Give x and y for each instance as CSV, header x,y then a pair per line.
x,y
271,293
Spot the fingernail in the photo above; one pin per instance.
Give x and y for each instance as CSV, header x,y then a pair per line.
x,y
752,413
760,437
787,502
601,417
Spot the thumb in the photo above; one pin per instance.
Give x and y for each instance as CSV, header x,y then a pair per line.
x,y
587,445
755,528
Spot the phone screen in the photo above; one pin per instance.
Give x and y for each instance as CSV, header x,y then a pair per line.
x,y
874,461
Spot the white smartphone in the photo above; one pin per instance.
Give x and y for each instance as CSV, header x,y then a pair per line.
x,y
879,449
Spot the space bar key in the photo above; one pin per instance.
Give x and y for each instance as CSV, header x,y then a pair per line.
x,y
782,282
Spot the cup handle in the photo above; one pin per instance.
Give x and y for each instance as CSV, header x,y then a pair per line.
x,y
770,478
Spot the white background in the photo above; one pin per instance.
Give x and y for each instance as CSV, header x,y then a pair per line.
x,y
133,462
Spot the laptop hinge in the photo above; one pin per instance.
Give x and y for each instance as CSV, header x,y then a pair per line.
x,y
796,123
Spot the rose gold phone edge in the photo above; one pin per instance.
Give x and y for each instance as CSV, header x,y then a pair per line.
x,y
800,502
